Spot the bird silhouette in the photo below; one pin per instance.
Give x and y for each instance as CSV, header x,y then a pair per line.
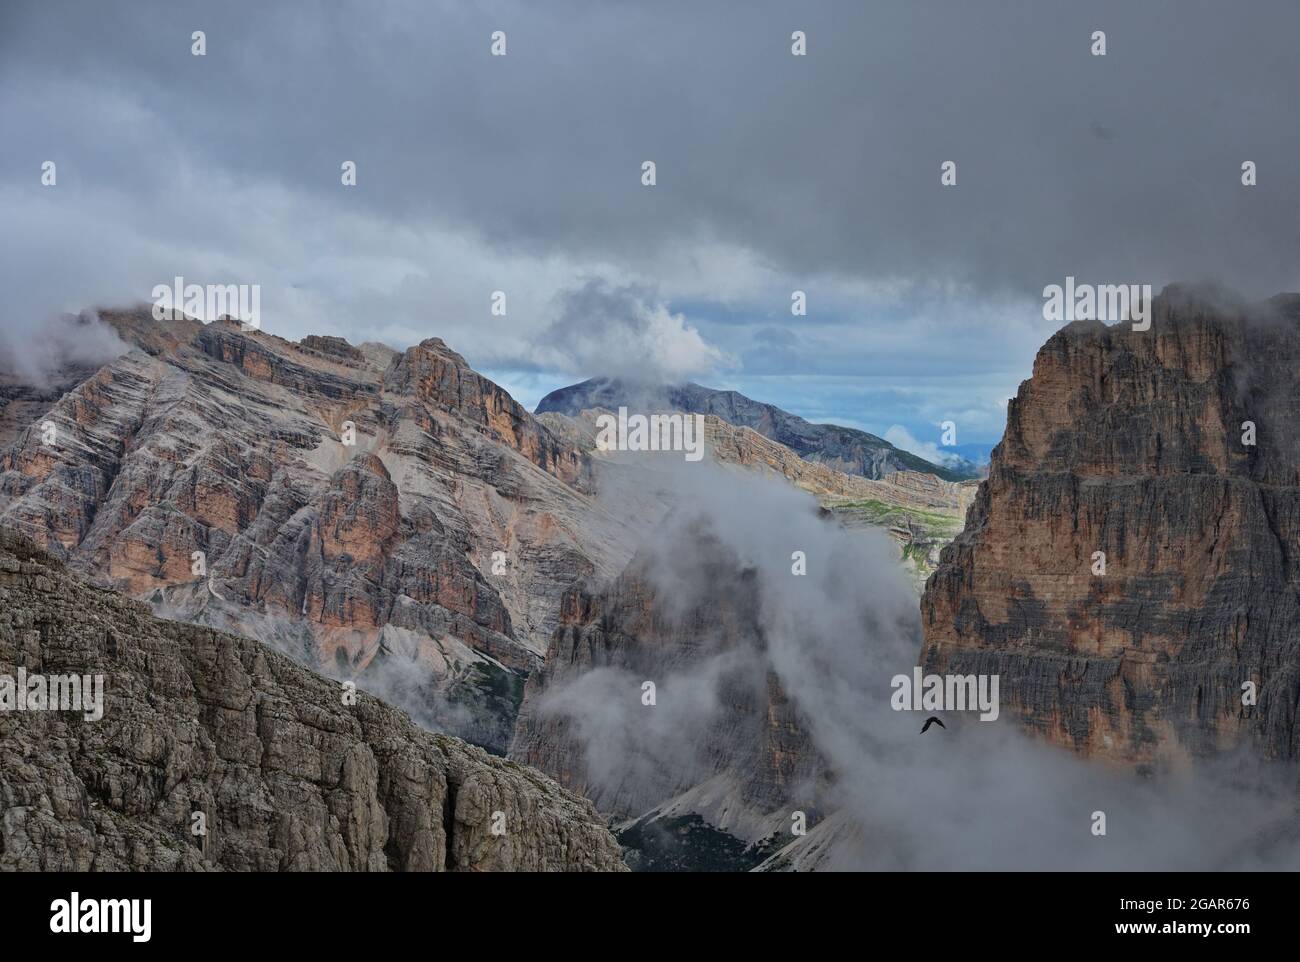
x,y
933,719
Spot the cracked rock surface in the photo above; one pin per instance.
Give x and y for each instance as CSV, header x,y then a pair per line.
x,y
284,774
1130,444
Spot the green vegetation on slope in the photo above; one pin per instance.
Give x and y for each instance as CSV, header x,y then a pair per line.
x,y
934,524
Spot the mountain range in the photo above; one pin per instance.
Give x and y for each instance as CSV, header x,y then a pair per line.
x,y
843,449
394,520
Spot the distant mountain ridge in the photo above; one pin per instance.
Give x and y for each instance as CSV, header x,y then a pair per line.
x,y
844,449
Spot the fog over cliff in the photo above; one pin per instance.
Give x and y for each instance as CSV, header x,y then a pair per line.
x,y
33,347
978,795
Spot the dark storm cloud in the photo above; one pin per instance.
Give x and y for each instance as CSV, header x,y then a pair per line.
x,y
828,162
775,172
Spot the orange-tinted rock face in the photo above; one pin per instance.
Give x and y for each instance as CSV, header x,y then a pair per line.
x,y
1130,445
439,379
359,516
358,507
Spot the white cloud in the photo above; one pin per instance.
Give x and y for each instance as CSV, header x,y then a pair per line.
x,y
625,332
900,437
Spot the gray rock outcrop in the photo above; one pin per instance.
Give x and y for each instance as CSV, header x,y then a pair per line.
x,y
205,729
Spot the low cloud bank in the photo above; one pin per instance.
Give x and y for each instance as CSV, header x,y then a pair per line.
x,y
978,795
32,350
625,332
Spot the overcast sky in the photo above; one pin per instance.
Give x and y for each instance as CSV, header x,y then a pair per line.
x,y
522,173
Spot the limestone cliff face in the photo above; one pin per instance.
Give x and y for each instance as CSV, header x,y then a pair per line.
x,y
285,775
1131,444
387,516
436,376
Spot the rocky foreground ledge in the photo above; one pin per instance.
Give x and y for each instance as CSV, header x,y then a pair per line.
x,y
216,753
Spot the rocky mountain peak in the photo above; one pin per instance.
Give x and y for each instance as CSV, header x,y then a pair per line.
x,y
1127,568
337,502
335,347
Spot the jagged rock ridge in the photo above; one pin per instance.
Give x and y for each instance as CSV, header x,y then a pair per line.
x,y
284,775
388,516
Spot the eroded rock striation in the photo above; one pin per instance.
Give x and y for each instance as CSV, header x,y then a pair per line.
x,y
387,516
281,772
1130,444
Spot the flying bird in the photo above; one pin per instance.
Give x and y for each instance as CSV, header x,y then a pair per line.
x,y
933,719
